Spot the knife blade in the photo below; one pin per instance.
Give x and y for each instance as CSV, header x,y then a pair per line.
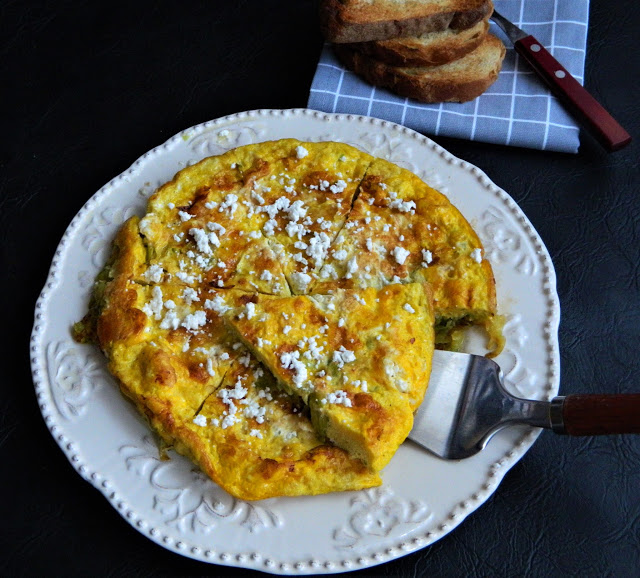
x,y
575,98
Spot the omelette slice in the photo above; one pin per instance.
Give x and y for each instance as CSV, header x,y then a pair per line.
x,y
360,359
400,231
202,228
257,441
303,192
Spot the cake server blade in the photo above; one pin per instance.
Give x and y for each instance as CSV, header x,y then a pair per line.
x,y
466,404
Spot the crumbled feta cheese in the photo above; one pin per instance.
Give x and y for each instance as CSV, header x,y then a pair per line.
x,y
194,320
215,227
230,202
400,254
352,267
294,229
314,351
340,255
339,187
296,211
400,205
200,420
339,397
318,247
202,240
269,227
408,308
154,274
217,304
189,295
301,152
342,356
154,307
328,272
170,321
300,259
300,281
292,361
476,255
394,372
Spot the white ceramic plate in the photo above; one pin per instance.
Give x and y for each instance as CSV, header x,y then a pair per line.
x,y
422,498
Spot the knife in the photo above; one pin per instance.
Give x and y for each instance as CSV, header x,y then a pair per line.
x,y
466,404
575,98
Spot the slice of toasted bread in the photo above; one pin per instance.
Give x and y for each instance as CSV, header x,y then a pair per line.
x,y
458,81
429,49
368,20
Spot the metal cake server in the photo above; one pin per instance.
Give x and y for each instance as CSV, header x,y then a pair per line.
x,y
574,97
466,404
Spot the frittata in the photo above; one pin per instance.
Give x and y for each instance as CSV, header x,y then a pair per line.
x,y
272,313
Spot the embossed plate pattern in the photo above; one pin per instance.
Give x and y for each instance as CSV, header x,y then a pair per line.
x,y
422,498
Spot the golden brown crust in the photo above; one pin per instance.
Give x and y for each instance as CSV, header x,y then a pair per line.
x,y
459,81
346,21
120,319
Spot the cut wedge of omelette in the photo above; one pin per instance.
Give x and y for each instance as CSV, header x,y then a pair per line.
x,y
360,359
272,314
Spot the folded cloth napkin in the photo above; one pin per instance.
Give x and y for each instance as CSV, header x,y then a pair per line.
x,y
517,110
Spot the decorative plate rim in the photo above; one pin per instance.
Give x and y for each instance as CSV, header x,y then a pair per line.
x,y
497,469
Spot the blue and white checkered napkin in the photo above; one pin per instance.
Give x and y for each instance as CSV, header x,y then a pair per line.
x,y
517,110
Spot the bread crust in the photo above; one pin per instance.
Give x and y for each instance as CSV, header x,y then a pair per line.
x,y
430,84
443,47
347,21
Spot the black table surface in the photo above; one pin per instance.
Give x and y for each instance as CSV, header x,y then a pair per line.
x,y
88,87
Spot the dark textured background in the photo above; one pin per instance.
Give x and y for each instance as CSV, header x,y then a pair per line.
x,y
88,87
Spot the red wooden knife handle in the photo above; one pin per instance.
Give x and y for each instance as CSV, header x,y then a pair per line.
x,y
594,414
577,100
